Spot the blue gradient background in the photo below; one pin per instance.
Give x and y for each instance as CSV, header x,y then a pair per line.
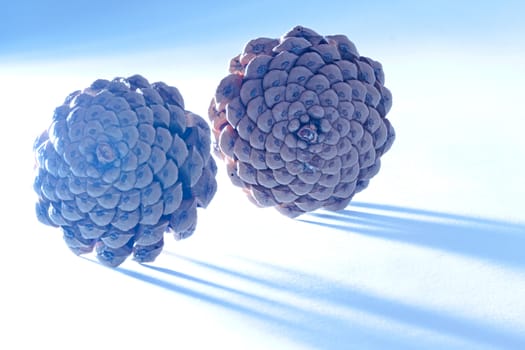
x,y
48,28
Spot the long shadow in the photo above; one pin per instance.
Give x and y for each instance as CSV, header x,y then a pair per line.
x,y
203,297
302,326
311,325
330,332
432,213
498,241
213,285
299,325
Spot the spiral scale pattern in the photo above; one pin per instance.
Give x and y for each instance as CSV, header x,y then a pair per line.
x,y
301,122
122,164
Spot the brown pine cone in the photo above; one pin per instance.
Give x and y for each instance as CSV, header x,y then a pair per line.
x,y
300,121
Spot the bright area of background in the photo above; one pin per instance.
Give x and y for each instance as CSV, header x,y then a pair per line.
x,y
373,277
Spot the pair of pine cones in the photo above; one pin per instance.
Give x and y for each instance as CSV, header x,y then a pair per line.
x,y
300,123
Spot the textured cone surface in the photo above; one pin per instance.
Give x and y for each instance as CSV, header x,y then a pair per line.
x,y
117,166
300,121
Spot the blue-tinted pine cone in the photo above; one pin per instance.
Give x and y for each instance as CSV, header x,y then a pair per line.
x,y
301,121
122,164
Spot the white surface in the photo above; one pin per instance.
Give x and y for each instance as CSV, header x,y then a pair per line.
x,y
430,256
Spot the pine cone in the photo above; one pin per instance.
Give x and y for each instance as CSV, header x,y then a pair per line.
x,y
121,164
301,121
